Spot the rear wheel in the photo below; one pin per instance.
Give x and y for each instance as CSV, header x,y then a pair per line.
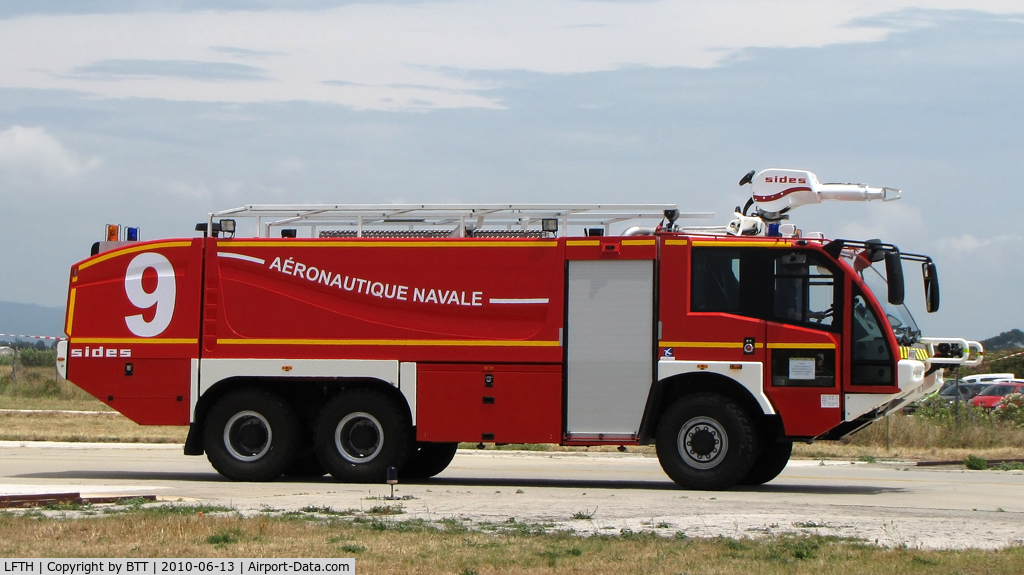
x,y
706,441
428,460
773,459
250,435
361,433
305,465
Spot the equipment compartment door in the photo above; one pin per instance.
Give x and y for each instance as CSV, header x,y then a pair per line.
x,y
609,339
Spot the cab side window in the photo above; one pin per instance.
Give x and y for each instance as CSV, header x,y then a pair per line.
x,y
805,291
715,281
870,359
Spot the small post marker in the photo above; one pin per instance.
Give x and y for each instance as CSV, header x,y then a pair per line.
x,y
392,480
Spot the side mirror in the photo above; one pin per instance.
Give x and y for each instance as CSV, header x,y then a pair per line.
x,y
873,252
931,286
894,276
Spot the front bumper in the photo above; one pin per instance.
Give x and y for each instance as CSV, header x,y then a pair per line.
x,y
918,374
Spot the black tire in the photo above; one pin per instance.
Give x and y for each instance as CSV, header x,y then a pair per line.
x,y
361,433
773,459
251,435
428,460
305,465
706,441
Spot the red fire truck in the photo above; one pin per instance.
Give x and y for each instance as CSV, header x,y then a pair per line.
x,y
349,338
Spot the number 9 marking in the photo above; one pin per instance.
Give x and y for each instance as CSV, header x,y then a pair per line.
x,y
162,296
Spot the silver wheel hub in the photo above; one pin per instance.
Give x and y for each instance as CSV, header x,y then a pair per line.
x,y
359,437
247,436
702,443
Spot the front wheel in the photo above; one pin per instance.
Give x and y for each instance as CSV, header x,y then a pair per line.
x,y
773,459
361,433
428,460
250,435
706,441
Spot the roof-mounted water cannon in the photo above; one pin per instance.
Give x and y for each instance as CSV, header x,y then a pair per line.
x,y
775,192
778,190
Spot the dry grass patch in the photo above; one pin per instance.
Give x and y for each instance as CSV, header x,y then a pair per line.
x,y
36,382
912,437
415,546
94,427
43,403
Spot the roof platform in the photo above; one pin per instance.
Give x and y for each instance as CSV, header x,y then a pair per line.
x,y
449,220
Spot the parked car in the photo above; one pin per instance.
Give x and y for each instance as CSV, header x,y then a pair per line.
x,y
947,394
993,394
987,377
967,391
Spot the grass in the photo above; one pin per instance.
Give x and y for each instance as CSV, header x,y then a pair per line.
x,y
39,382
422,547
909,437
98,427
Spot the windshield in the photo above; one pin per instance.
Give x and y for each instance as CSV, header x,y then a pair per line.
x,y
903,324
999,390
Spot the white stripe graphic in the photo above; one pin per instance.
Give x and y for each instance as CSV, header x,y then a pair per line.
x,y
518,300
241,257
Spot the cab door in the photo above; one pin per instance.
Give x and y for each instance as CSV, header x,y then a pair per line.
x,y
710,305
803,378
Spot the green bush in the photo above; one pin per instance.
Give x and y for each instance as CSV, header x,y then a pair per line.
x,y
1011,409
941,410
30,357
975,462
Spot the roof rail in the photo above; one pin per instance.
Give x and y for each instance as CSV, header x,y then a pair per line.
x,y
459,220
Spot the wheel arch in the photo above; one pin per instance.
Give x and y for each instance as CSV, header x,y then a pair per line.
x,y
672,388
305,395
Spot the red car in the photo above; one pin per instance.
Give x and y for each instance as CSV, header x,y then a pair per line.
x,y
993,394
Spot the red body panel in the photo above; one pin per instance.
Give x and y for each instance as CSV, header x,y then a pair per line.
x,y
804,413
413,300
132,337
504,403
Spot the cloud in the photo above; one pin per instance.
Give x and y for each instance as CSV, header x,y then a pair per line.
x,y
289,165
394,55
246,54
33,154
971,246
193,70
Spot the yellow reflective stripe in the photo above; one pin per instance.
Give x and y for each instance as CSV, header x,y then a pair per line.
x,y
395,342
918,353
638,242
739,344
801,346
582,243
71,311
735,244
708,344
676,242
132,250
134,340
387,244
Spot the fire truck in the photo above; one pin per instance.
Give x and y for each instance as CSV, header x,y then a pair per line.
x,y
348,339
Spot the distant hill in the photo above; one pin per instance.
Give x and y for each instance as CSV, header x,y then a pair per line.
x,y
31,319
1013,339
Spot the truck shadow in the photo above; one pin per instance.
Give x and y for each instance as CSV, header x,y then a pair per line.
x,y
666,485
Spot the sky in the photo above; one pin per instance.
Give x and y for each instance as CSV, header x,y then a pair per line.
x,y
153,114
